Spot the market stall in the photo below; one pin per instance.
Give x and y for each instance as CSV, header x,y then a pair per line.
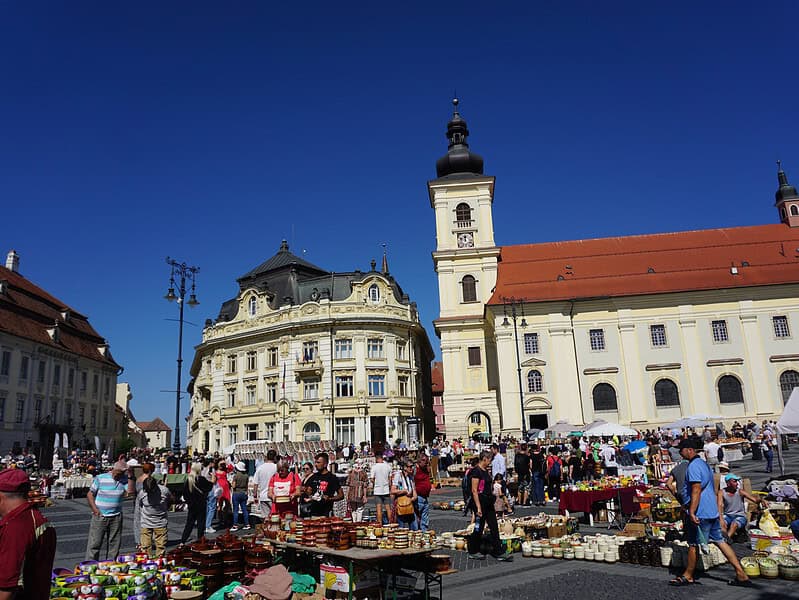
x,y
586,501
71,485
733,449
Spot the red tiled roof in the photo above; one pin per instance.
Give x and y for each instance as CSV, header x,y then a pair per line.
x,y
437,375
27,311
155,425
649,264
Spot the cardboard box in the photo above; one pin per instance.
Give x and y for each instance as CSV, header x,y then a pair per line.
x,y
556,531
338,579
633,530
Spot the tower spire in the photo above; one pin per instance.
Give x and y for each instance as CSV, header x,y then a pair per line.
x,y
459,161
787,199
384,268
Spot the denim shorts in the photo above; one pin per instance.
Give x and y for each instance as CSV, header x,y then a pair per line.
x,y
740,520
711,531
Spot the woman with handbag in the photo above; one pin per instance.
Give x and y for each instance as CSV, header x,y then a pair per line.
x,y
403,491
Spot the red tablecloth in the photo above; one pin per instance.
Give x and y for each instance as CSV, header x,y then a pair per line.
x,y
580,501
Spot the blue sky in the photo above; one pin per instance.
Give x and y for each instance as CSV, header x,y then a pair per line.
x,y
209,131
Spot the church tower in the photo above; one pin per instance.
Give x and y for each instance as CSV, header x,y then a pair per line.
x,y
787,199
465,260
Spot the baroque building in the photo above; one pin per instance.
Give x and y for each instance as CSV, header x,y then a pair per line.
x,y
57,375
639,330
304,354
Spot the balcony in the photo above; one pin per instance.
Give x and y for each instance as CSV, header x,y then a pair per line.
x,y
308,367
464,224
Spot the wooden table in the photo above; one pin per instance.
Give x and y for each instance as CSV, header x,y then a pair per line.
x,y
582,501
373,558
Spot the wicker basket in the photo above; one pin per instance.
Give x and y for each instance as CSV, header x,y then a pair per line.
x,y
750,566
768,568
789,567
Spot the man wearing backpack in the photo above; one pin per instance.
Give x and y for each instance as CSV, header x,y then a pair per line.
x,y
554,474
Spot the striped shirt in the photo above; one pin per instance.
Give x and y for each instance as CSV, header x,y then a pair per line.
x,y
108,493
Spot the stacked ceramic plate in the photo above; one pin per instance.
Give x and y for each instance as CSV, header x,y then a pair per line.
x,y
400,540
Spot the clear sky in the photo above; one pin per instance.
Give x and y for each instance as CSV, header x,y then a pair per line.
x,y
209,131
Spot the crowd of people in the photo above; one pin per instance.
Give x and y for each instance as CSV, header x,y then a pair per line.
x,y
218,492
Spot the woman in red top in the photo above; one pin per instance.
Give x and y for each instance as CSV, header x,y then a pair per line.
x,y
284,490
223,483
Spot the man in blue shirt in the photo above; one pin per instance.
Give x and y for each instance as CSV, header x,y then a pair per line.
x,y
105,500
702,521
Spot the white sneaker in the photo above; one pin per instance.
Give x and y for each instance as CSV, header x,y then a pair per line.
x,y
246,527
210,530
234,528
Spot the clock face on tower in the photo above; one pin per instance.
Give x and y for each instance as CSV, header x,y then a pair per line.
x,y
465,240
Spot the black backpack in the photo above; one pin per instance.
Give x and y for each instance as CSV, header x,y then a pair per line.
x,y
466,486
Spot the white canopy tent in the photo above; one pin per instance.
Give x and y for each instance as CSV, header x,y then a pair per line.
x,y
787,423
607,429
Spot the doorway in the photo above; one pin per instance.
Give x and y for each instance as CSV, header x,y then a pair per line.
x,y
538,421
377,428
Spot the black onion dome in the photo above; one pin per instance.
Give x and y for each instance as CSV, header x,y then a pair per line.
x,y
459,161
786,191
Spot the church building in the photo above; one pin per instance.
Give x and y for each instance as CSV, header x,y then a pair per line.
x,y
638,330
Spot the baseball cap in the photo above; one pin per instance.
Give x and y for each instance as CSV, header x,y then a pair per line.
x,y
240,466
731,476
14,480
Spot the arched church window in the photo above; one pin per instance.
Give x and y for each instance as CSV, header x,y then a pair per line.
x,y
463,213
252,306
730,391
604,397
794,210
535,382
666,393
788,381
469,286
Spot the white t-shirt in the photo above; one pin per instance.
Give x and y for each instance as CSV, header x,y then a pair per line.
x,y
261,478
712,453
609,454
381,472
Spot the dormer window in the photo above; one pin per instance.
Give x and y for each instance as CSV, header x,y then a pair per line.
x,y
794,210
374,293
252,306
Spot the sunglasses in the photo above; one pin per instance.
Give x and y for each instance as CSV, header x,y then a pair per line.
x,y
306,468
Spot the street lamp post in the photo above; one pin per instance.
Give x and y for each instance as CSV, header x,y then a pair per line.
x,y
514,308
180,275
